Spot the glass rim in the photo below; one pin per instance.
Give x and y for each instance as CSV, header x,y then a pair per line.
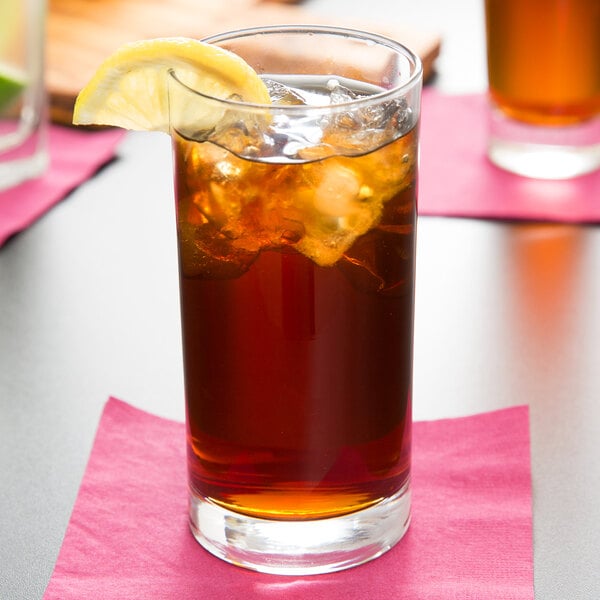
x,y
402,88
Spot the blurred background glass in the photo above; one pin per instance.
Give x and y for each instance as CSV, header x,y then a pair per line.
x,y
23,114
544,82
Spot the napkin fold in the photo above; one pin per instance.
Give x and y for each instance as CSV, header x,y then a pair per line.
x,y
75,155
456,178
470,536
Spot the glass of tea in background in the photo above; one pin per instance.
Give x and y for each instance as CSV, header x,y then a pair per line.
x,y
544,86
296,229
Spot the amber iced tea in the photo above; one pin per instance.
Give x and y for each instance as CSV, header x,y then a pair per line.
x,y
544,86
543,59
297,374
296,228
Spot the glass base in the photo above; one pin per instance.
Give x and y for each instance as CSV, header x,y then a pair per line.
x,y
544,152
301,547
14,172
23,151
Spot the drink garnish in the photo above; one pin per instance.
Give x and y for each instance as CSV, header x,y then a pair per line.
x,y
12,83
130,88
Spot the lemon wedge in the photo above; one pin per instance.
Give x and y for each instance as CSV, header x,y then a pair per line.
x,y
130,88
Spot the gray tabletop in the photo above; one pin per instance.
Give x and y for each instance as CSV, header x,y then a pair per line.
x,y
507,313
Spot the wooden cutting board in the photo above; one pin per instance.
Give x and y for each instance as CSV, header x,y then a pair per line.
x,y
82,33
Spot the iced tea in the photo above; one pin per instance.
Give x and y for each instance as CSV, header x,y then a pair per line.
x,y
296,230
543,59
297,305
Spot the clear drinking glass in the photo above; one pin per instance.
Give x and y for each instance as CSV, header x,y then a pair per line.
x,y
296,229
23,151
544,81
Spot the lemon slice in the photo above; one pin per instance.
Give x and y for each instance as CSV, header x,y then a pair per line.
x,y
130,89
12,83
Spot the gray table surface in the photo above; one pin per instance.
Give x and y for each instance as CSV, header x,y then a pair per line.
x,y
507,313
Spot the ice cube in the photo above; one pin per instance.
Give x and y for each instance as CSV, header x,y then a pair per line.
x,y
338,93
380,261
282,94
292,136
340,207
205,252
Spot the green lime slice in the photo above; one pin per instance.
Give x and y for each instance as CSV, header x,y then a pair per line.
x,y
12,82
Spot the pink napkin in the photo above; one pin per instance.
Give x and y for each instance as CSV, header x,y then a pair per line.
x,y
75,155
470,536
457,180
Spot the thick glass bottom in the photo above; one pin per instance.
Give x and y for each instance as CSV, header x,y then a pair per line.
x,y
544,152
23,152
14,172
301,547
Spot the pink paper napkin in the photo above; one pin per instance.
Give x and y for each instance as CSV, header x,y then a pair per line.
x,y
457,180
470,536
75,155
